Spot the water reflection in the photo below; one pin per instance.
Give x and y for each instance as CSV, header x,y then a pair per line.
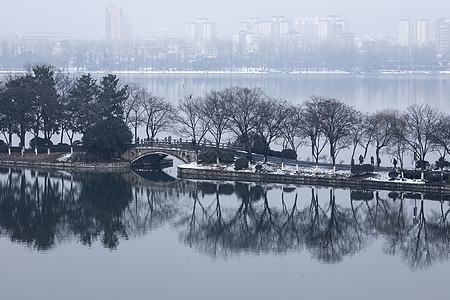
x,y
43,210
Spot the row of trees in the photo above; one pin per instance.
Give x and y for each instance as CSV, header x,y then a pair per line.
x,y
45,101
319,123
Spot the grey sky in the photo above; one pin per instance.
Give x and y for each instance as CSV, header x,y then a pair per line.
x,y
86,18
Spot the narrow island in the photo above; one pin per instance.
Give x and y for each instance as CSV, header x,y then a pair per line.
x,y
228,134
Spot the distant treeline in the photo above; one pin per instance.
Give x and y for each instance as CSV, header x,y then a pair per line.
x,y
281,54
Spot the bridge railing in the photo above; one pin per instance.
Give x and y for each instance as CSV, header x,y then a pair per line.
x,y
187,145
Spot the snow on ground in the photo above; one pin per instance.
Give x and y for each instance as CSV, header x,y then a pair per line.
x,y
64,158
272,168
383,176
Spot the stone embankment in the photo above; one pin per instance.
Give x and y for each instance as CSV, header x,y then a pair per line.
x,y
119,166
353,183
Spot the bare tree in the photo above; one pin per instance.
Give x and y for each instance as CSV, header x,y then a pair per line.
x,y
337,121
441,136
357,133
290,130
190,119
367,137
158,114
421,123
133,108
217,116
398,144
381,122
271,116
242,104
310,128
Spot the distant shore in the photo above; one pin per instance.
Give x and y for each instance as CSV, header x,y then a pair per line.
x,y
240,72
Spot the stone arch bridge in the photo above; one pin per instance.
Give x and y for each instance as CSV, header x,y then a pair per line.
x,y
136,153
183,150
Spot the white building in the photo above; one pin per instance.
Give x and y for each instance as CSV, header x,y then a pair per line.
x,y
200,31
443,36
413,32
118,28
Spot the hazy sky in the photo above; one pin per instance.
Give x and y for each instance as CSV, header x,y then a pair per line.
x,y
86,18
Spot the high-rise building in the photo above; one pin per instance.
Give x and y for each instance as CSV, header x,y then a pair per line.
x,y
443,36
323,29
413,32
200,31
118,28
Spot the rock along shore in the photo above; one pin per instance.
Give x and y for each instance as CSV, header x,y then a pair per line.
x,y
353,183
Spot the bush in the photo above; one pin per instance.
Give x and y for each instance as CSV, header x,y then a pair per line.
x,y
435,177
207,157
61,148
393,174
226,157
422,164
411,174
441,163
41,142
210,157
240,164
4,149
359,170
2,143
289,154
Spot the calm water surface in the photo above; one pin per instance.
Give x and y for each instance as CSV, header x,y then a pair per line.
x,y
368,93
145,236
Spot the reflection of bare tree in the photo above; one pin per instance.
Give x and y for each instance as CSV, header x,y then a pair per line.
x,y
416,249
332,236
329,234
420,242
149,210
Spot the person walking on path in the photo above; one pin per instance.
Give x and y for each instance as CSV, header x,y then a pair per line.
x,y
378,162
361,159
394,161
372,160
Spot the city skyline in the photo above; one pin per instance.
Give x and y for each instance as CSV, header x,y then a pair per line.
x,y
86,19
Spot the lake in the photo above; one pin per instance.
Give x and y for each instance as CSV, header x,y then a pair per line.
x,y
148,235
368,93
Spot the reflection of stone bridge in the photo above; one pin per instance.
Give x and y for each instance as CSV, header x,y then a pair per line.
x,y
183,150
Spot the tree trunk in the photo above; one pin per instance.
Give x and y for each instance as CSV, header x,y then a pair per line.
x,y
62,134
377,154
217,152
353,153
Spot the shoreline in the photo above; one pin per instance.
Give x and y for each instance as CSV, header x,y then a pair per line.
x,y
44,163
246,72
185,172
